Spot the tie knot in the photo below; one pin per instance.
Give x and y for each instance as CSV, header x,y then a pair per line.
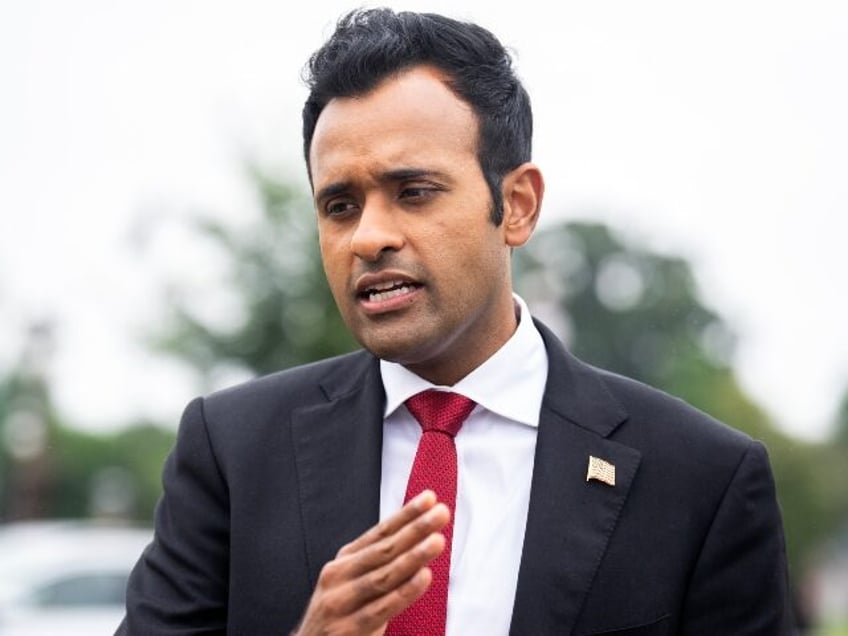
x,y
440,410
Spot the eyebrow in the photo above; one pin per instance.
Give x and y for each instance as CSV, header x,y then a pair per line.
x,y
403,174
390,176
332,190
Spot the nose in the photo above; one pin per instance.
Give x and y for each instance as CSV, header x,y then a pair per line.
x,y
377,231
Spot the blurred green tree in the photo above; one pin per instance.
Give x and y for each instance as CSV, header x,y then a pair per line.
x,y
638,313
48,469
840,422
27,423
285,314
109,476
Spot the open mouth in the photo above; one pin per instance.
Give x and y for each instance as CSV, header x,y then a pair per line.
x,y
382,292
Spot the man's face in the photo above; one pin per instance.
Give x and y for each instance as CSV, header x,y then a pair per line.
x,y
418,270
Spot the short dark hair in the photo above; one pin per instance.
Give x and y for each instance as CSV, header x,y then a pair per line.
x,y
370,45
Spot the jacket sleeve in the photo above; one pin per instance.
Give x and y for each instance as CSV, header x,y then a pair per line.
x,y
179,585
740,582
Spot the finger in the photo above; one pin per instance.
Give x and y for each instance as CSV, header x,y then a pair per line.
x,y
384,551
414,508
418,542
348,567
376,614
387,578
344,596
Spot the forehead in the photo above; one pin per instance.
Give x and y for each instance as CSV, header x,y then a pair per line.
x,y
410,118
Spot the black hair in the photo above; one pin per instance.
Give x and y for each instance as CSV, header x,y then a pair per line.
x,y
371,45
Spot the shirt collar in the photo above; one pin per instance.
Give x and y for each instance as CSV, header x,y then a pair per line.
x,y
510,383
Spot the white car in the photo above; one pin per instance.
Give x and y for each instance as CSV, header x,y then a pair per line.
x,y
65,577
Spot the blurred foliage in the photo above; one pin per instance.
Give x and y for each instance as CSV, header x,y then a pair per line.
x,y
841,422
626,309
49,470
285,315
28,423
113,475
832,630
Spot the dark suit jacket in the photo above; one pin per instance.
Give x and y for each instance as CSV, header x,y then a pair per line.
x,y
269,479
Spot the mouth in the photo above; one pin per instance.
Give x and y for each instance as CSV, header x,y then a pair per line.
x,y
379,293
388,290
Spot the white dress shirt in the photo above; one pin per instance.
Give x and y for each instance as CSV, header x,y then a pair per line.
x,y
495,450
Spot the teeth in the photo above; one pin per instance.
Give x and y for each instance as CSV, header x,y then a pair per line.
x,y
387,285
380,296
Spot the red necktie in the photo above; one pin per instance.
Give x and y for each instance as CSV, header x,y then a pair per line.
x,y
440,415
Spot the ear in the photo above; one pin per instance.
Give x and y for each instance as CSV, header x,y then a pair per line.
x,y
522,189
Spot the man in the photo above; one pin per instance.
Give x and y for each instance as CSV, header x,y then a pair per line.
x,y
586,503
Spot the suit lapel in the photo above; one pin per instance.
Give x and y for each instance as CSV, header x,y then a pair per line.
x,y
338,447
570,520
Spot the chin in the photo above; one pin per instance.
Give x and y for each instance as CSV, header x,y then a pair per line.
x,y
398,348
390,351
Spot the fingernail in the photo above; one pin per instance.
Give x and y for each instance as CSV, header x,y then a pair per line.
x,y
423,499
433,544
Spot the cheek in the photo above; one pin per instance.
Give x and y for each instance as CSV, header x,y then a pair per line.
x,y
333,264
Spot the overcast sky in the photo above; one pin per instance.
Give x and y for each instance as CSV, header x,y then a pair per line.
x,y
712,130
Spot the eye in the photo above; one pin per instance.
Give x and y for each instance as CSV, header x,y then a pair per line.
x,y
418,192
339,207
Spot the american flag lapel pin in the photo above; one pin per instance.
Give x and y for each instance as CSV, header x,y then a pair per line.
x,y
600,470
